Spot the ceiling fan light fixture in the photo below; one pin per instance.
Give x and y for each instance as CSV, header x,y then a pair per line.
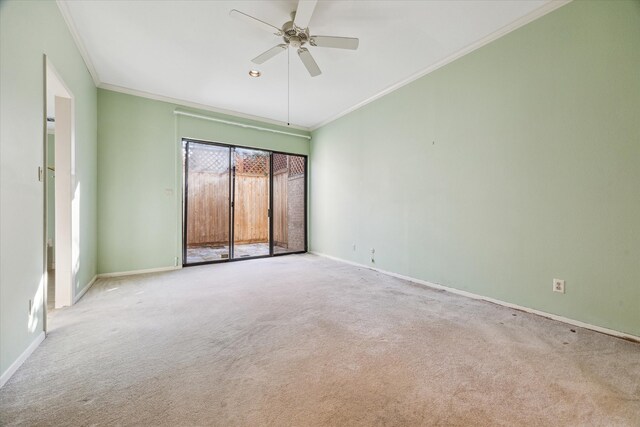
x,y
255,73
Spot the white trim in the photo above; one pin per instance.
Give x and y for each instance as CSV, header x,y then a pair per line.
x,y
66,14
84,53
20,360
530,17
65,220
232,123
85,289
182,102
522,21
134,272
488,299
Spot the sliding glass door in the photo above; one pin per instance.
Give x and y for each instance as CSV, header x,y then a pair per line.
x,y
207,190
241,203
251,181
289,207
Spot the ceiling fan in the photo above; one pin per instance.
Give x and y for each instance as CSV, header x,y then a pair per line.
x,y
295,34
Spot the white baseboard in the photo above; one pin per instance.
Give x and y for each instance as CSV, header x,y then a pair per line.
x,y
20,360
134,272
573,322
85,289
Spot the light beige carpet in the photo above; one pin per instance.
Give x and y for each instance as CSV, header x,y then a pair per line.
x,y
301,340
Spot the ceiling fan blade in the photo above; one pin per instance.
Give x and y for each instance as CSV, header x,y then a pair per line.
x,y
304,12
335,42
309,62
264,57
256,22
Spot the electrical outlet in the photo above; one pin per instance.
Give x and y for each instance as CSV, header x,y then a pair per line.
x,y
354,246
373,251
558,285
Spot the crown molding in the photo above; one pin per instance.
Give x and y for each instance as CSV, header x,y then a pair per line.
x,y
524,20
196,105
66,14
520,22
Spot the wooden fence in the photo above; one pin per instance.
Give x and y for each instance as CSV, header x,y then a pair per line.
x,y
251,210
208,209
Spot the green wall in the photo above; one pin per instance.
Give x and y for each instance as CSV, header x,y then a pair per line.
x,y
28,30
140,175
514,165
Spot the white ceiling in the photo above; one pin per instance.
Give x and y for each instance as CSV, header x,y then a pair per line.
x,y
195,52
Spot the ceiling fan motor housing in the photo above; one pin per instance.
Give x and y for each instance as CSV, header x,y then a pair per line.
x,y
294,36
295,33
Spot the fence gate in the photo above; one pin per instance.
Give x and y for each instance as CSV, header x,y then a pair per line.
x,y
241,203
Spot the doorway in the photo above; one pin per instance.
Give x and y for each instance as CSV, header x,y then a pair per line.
x,y
241,203
59,200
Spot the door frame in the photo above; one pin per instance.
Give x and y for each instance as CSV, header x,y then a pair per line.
x,y
66,222
185,189
232,203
